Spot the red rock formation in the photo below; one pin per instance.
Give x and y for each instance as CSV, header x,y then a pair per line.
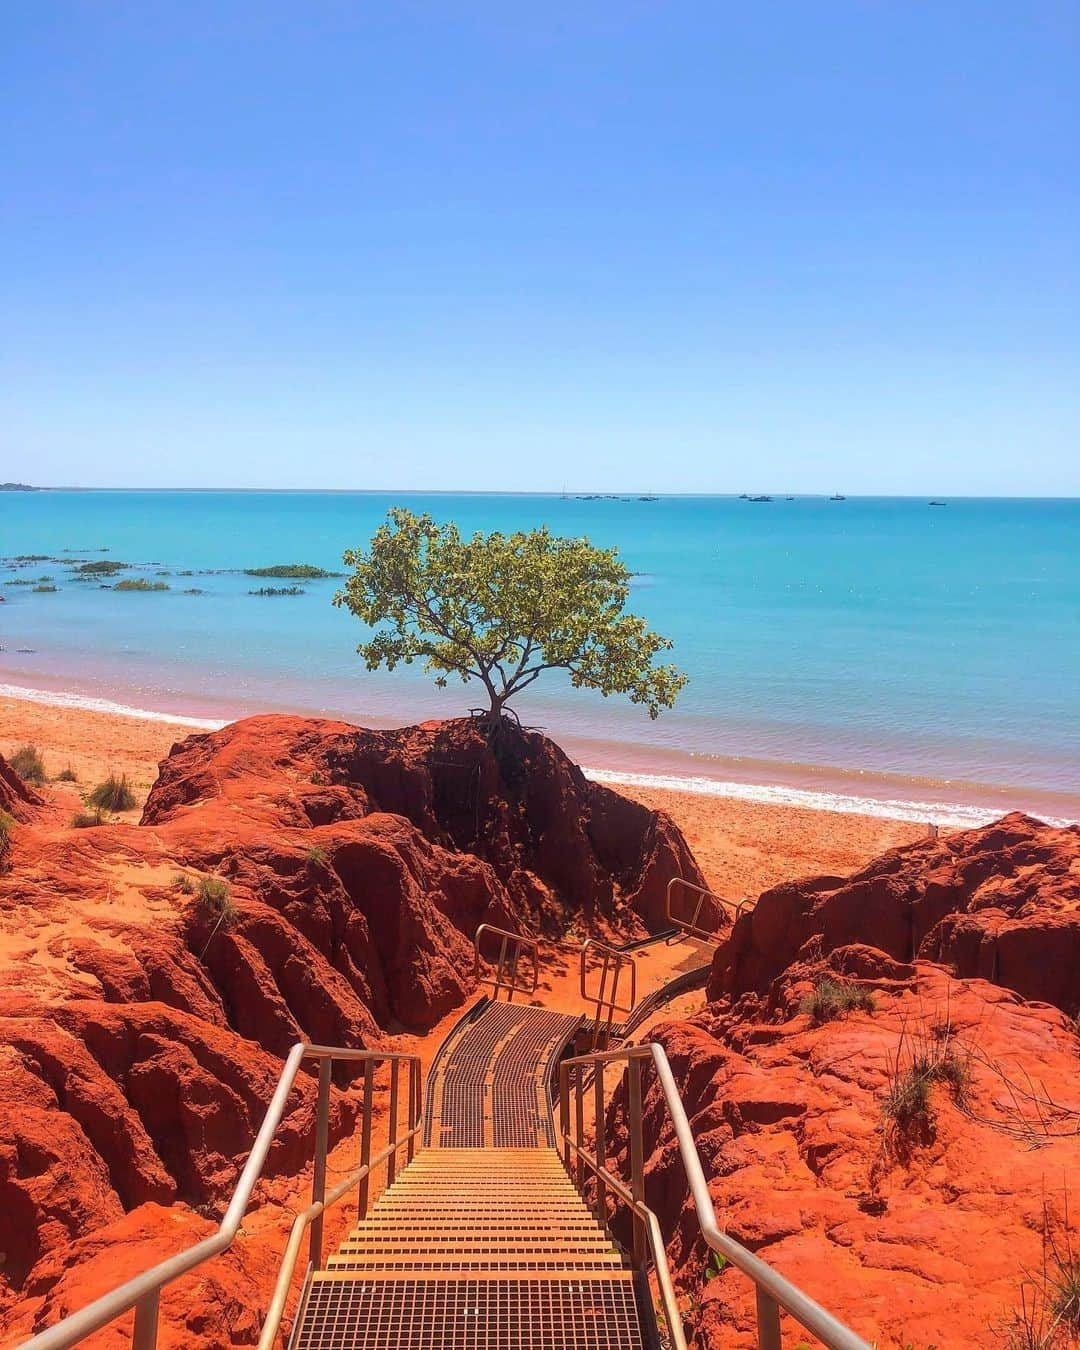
x,y
142,1030
559,844
913,1241
917,1232
1002,902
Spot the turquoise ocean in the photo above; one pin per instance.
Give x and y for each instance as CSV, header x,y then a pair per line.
x,y
878,652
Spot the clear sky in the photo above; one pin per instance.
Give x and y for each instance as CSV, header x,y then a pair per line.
x,y
803,245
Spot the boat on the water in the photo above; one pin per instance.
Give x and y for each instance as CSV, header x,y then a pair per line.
x,y
938,503
838,497
759,497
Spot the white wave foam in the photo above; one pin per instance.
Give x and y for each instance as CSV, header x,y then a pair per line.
x,y
771,794
775,794
56,698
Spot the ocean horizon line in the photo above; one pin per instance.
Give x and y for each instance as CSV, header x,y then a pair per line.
x,y
951,815
778,493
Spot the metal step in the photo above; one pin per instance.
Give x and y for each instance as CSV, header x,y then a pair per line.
x,y
523,1311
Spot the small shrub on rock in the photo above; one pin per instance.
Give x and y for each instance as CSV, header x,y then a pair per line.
x,y
907,1104
67,775
7,831
213,895
85,820
28,764
114,794
830,1000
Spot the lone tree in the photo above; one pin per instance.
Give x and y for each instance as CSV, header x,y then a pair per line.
x,y
502,609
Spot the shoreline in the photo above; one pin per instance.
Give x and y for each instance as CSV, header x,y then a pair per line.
x,y
743,846
808,788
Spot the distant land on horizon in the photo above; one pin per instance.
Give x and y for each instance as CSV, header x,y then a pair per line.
x,y
625,494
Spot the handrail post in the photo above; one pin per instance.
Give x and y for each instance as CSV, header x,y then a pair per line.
x,y
601,1143
391,1162
144,1334
514,972
637,1157
365,1137
768,1320
579,1123
414,1105
318,1175
600,1001
564,1111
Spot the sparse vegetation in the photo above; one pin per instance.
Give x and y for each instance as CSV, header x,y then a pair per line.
x,y
213,893
296,571
1048,1317
7,831
67,775
184,883
717,1264
955,1073
316,856
279,590
114,794
28,764
830,1000
140,584
907,1104
84,820
916,1067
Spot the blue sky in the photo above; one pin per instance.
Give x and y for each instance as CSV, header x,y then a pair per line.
x,y
669,246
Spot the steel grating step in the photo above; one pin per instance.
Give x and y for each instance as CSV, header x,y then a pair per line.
x,y
468,1312
556,1258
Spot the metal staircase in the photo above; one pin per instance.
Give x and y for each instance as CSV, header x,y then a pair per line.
x,y
483,1240
492,1231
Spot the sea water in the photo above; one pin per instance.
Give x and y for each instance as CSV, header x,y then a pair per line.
x,y
873,648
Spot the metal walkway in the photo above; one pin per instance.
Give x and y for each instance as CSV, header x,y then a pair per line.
x,y
483,1240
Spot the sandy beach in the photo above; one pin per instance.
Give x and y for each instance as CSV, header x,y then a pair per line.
x,y
742,846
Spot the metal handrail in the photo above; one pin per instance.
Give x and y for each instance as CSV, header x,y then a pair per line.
x,y
143,1292
691,925
606,1002
773,1292
506,967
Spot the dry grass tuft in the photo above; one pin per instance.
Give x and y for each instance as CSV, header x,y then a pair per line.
x,y
830,1000
28,764
114,794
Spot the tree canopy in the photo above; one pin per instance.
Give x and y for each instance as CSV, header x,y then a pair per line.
x,y
503,609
